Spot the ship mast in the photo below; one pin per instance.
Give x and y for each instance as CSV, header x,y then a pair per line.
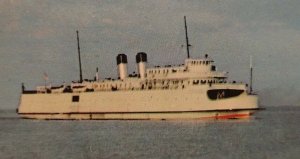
x,y
80,71
251,74
187,39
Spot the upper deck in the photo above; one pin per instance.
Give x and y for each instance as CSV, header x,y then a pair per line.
x,y
192,73
193,68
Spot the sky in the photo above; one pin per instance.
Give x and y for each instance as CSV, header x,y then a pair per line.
x,y
39,36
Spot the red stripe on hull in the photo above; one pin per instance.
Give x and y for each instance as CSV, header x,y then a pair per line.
x,y
229,116
233,116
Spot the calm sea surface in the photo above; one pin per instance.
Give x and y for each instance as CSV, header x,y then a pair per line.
x,y
273,133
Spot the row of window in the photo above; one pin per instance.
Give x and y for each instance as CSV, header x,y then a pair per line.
x,y
110,85
195,82
158,71
200,62
154,82
175,70
165,71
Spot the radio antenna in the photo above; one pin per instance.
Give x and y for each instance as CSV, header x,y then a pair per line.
x,y
187,39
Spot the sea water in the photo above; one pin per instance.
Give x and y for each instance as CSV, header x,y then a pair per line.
x,y
271,133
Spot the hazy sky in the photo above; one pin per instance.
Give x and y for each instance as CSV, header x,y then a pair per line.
x,y
39,36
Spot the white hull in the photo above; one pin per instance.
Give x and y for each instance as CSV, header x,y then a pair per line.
x,y
189,103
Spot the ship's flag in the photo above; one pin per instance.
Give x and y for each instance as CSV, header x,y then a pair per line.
x,y
46,78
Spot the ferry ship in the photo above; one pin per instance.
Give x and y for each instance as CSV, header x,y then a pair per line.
x,y
193,90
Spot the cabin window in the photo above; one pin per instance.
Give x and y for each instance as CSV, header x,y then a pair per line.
x,y
75,98
196,82
213,68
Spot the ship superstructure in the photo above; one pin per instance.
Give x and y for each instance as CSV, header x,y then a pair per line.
x,y
192,90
